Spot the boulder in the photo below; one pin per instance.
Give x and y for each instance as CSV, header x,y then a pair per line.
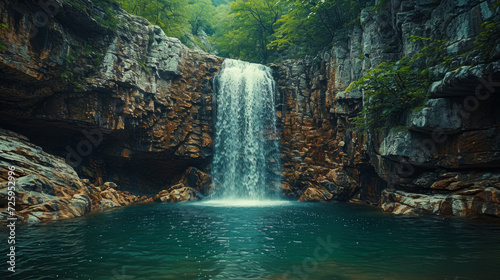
x,y
178,193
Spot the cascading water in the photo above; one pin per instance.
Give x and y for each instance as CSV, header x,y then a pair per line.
x,y
246,162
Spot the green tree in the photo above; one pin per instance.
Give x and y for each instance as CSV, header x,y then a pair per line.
x,y
245,28
217,3
201,14
311,25
171,15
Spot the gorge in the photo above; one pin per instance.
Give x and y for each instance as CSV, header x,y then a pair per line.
x,y
97,116
149,101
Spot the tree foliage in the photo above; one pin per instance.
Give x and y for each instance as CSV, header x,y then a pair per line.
x,y
170,15
201,13
265,30
253,30
311,25
246,27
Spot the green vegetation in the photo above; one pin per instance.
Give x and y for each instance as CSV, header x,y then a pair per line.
x,y
245,28
266,30
143,66
311,25
178,18
198,41
392,90
382,4
488,39
72,74
110,20
3,26
77,5
253,30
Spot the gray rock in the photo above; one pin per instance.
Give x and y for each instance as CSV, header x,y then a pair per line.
x,y
437,114
400,143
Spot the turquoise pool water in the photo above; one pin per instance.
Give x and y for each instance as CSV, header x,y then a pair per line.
x,y
285,241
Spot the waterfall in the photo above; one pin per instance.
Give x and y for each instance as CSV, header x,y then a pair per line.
x,y
246,161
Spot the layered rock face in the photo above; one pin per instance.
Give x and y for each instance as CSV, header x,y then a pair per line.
x,y
115,97
109,104
444,161
46,188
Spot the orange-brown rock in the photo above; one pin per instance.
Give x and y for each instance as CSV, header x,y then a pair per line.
x,y
178,193
48,189
144,98
478,197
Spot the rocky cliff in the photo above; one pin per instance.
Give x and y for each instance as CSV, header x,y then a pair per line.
x,y
113,108
443,161
106,91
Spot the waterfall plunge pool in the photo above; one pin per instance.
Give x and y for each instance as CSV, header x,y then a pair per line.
x,y
285,240
243,233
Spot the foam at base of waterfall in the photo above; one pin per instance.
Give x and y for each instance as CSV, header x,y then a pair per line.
x,y
242,203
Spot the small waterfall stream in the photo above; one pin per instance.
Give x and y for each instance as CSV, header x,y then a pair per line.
x,y
246,162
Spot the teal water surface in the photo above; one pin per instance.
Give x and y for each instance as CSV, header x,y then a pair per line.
x,y
287,241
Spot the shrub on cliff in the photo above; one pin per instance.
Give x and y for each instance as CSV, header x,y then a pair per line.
x,y
393,89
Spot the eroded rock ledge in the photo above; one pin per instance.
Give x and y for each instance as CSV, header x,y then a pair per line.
x,y
47,188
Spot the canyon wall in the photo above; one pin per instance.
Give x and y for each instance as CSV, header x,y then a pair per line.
x,y
445,160
103,93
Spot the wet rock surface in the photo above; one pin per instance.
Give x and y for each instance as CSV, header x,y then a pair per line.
x,y
193,185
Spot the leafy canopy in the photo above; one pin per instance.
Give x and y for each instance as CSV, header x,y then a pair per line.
x,y
245,28
311,25
253,30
